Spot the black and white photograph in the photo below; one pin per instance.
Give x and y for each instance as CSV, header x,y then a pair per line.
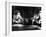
x,y
22,18
26,18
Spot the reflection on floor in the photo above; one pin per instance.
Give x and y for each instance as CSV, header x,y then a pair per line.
x,y
19,27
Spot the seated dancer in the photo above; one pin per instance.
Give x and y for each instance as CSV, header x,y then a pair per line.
x,y
17,18
36,20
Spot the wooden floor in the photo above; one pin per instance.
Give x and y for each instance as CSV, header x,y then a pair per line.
x,y
25,27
